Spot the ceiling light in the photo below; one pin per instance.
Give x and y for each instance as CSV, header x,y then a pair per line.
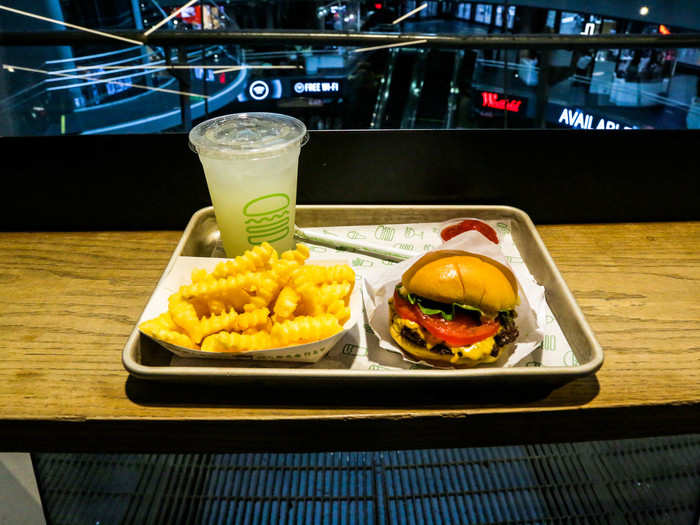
x,y
66,24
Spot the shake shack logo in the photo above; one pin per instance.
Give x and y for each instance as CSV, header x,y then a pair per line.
x,y
268,218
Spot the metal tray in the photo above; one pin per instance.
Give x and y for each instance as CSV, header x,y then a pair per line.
x,y
145,359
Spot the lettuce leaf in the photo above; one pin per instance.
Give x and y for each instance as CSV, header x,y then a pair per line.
x,y
431,307
468,307
447,316
447,311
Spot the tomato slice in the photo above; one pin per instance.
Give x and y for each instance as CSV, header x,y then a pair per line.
x,y
463,330
469,224
405,309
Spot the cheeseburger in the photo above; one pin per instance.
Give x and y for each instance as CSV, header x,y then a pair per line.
x,y
455,309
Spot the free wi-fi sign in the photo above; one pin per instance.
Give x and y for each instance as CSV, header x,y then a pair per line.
x,y
259,90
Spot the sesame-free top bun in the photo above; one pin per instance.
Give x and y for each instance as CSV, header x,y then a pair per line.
x,y
467,279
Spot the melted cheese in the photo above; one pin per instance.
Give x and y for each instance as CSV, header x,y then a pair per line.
x,y
479,352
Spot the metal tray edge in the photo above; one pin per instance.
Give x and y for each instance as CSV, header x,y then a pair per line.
x,y
563,374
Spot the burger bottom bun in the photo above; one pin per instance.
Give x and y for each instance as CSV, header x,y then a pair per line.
x,y
418,353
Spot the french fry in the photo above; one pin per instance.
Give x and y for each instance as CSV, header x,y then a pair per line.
x,y
233,321
299,255
339,310
305,329
165,329
287,301
255,259
235,342
322,274
185,316
257,301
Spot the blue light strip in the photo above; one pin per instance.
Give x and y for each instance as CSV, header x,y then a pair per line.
x,y
90,76
241,77
114,62
122,100
87,57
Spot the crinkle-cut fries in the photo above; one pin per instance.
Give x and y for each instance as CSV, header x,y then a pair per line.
x,y
257,301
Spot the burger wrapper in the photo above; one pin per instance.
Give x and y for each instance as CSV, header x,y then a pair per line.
x,y
378,289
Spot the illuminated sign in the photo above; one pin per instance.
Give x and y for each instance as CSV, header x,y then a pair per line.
x,y
199,74
191,15
578,119
122,85
259,90
492,100
316,88
589,29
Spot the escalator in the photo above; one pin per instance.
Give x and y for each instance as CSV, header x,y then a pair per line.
x,y
394,92
453,98
420,89
431,110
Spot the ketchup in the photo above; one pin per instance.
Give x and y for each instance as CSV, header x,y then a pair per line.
x,y
466,225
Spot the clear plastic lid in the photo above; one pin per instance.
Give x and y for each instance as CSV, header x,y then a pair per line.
x,y
247,135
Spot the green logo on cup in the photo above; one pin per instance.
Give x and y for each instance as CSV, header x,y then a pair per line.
x,y
269,218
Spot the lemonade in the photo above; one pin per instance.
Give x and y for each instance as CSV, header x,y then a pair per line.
x,y
254,201
250,161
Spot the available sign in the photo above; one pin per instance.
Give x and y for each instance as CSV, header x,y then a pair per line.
x,y
579,119
492,100
309,87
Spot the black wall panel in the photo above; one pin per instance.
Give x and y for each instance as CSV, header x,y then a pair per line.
x,y
557,176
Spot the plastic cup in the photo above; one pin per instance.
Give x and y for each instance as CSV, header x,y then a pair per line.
x,y
251,162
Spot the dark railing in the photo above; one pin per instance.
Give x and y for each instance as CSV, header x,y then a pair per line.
x,y
337,38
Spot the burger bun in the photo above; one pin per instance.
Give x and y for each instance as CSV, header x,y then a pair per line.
x,y
464,278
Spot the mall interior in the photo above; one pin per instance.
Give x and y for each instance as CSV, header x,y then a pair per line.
x,y
541,89
94,88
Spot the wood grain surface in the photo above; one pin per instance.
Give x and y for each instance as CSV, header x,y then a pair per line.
x,y
68,302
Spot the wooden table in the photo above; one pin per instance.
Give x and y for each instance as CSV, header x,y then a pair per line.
x,y
69,300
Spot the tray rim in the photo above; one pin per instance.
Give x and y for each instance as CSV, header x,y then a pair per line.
x,y
560,373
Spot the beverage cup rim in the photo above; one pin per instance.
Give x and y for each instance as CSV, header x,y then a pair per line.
x,y
202,145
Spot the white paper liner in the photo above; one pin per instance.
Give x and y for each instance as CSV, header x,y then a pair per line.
x,y
378,290
358,349
306,353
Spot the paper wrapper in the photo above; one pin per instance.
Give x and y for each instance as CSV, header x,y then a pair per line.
x,y
306,353
358,349
379,289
